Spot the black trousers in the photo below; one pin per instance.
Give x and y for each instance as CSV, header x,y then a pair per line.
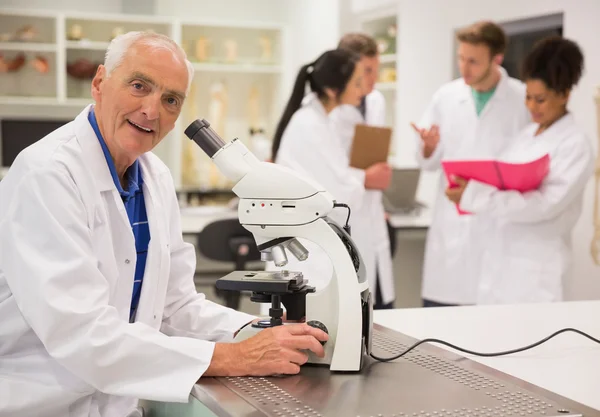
x,y
379,304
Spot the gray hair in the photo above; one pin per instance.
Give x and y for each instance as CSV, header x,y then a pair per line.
x,y
119,46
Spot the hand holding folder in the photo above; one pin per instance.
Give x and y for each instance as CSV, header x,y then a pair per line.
x,y
370,145
520,177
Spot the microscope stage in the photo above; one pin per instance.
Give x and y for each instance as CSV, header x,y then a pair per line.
x,y
278,282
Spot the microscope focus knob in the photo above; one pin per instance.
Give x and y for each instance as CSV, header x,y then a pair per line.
x,y
318,325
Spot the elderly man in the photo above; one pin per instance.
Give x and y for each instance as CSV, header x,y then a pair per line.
x,y
97,298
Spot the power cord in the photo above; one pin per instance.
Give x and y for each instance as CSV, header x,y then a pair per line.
x,y
470,352
347,226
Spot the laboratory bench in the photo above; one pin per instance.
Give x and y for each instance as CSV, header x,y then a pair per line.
x,y
558,378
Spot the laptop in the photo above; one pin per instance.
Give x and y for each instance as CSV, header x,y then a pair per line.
x,y
400,197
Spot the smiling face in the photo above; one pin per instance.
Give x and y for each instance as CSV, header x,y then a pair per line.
x,y
139,102
545,104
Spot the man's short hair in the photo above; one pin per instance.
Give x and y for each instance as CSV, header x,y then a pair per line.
x,y
486,33
359,43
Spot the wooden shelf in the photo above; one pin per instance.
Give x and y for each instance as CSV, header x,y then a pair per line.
x,y
43,101
28,101
28,47
88,45
387,58
78,102
390,86
239,68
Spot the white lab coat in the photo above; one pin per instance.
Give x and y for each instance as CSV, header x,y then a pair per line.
x,y
452,253
311,146
527,254
67,262
370,231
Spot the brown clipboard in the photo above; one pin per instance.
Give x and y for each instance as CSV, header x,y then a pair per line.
x,y
370,145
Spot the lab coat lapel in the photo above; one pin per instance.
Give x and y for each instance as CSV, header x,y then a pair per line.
x,y
96,162
499,95
92,151
123,241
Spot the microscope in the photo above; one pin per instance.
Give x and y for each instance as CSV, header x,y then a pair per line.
x,y
278,206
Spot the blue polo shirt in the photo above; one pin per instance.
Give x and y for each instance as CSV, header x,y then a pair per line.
x,y
133,199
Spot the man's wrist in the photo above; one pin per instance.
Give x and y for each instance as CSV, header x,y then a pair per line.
x,y
225,360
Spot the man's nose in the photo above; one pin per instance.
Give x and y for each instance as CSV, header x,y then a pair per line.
x,y
151,106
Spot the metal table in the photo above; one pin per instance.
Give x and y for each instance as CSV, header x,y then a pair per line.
x,y
427,382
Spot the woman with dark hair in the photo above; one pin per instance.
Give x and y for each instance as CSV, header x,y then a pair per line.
x,y
333,79
528,248
306,141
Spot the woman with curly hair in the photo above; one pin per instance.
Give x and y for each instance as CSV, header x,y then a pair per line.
x,y
528,250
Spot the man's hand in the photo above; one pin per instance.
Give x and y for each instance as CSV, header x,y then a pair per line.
x,y
378,176
455,193
276,350
430,138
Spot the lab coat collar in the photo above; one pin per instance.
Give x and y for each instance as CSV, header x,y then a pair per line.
x,y
499,94
313,101
565,122
92,151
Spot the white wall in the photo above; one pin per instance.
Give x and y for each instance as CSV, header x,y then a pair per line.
x,y
426,54
349,20
308,41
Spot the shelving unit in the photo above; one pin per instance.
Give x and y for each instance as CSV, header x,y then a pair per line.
x,y
382,26
389,86
245,58
87,45
237,68
28,46
388,58
239,72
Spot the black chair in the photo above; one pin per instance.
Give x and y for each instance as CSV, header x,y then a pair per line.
x,y
228,241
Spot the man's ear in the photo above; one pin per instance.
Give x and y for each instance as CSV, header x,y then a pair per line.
x,y
498,59
97,82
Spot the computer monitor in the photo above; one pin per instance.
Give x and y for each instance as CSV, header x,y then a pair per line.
x,y
400,197
17,134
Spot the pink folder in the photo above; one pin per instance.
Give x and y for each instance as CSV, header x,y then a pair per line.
x,y
521,177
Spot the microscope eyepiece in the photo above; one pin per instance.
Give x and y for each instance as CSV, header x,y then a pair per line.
x,y
200,132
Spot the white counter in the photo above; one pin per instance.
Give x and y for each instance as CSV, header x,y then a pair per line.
x,y
195,219
568,365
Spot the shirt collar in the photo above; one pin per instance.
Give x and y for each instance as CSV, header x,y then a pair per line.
x,y
133,172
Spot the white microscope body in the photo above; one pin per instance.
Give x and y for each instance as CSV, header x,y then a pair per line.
x,y
277,205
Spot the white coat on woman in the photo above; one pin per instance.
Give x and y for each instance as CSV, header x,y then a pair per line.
x,y
312,146
527,253
372,235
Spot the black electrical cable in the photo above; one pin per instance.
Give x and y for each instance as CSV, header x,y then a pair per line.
x,y
346,206
470,352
